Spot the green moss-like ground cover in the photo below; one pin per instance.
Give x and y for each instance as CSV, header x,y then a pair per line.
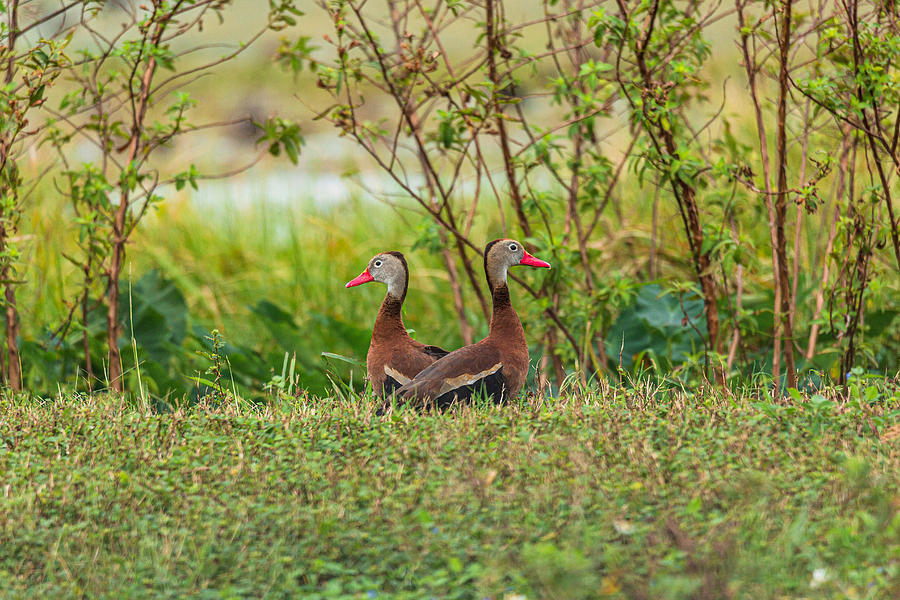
x,y
610,494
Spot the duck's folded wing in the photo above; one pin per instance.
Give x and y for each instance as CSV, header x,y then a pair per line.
x,y
395,378
435,351
460,372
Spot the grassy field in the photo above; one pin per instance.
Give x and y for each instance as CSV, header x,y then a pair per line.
x,y
620,493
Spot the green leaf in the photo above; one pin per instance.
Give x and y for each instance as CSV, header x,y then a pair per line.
x,y
36,95
346,359
693,507
155,314
40,57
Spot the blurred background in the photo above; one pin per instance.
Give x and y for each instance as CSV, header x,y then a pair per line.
x,y
245,268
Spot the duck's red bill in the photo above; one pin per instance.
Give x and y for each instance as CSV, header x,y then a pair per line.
x,y
531,261
364,277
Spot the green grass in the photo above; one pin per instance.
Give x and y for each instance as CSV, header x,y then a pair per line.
x,y
614,493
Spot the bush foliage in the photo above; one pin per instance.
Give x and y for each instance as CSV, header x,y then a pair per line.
x,y
714,183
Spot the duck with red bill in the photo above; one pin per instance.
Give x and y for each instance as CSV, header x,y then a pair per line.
x,y
495,367
394,358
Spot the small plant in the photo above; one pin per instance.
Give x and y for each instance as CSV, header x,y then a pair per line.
x,y
287,384
215,391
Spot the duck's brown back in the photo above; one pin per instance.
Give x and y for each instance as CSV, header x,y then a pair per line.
x,y
495,367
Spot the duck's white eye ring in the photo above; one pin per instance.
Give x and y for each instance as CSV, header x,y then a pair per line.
x,y
377,264
513,247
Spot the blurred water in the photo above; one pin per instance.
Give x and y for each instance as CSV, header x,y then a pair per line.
x,y
319,191
331,172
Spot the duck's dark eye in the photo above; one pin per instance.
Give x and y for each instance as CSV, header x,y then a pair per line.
x,y
513,247
377,264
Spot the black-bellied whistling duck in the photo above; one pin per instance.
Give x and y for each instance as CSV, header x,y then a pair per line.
x,y
394,358
497,365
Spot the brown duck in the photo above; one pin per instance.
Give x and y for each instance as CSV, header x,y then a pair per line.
x,y
394,358
497,365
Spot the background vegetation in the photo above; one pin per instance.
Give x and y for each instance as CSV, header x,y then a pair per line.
x,y
714,184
